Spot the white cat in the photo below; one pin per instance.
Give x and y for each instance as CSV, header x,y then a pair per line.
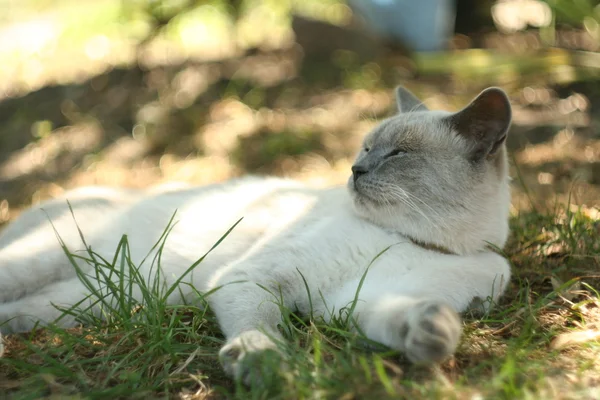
x,y
431,187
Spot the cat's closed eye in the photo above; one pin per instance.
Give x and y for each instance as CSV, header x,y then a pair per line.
x,y
396,152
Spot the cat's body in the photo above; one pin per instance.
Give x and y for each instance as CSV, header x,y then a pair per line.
x,y
435,205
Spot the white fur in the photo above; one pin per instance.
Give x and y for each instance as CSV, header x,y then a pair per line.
x,y
286,228
290,234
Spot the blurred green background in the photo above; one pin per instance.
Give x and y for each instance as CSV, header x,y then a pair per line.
x,y
138,92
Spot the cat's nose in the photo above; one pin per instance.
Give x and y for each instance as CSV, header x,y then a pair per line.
x,y
357,171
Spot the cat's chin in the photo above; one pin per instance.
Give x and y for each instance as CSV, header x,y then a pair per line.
x,y
363,198
364,205
359,200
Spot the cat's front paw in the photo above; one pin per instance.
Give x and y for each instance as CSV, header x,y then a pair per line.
x,y
250,356
431,332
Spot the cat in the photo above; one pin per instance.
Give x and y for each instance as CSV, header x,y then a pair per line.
x,y
427,200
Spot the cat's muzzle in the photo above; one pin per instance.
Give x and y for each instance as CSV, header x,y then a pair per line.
x,y
358,171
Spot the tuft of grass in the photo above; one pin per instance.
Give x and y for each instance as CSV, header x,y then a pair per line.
x,y
530,346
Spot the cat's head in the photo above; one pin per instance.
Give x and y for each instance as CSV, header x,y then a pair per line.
x,y
438,177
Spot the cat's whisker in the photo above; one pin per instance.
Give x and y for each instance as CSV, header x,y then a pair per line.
x,y
436,214
411,196
401,194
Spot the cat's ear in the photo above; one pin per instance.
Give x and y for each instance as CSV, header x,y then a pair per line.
x,y
484,122
407,101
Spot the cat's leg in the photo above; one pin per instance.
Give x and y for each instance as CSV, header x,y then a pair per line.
x,y
31,256
248,316
249,310
26,269
39,308
416,311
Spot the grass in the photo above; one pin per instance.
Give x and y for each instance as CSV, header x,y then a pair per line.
x,y
530,346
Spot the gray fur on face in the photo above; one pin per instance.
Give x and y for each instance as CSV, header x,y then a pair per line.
x,y
436,173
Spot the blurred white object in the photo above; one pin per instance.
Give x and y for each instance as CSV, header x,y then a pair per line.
x,y
516,15
29,37
424,25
